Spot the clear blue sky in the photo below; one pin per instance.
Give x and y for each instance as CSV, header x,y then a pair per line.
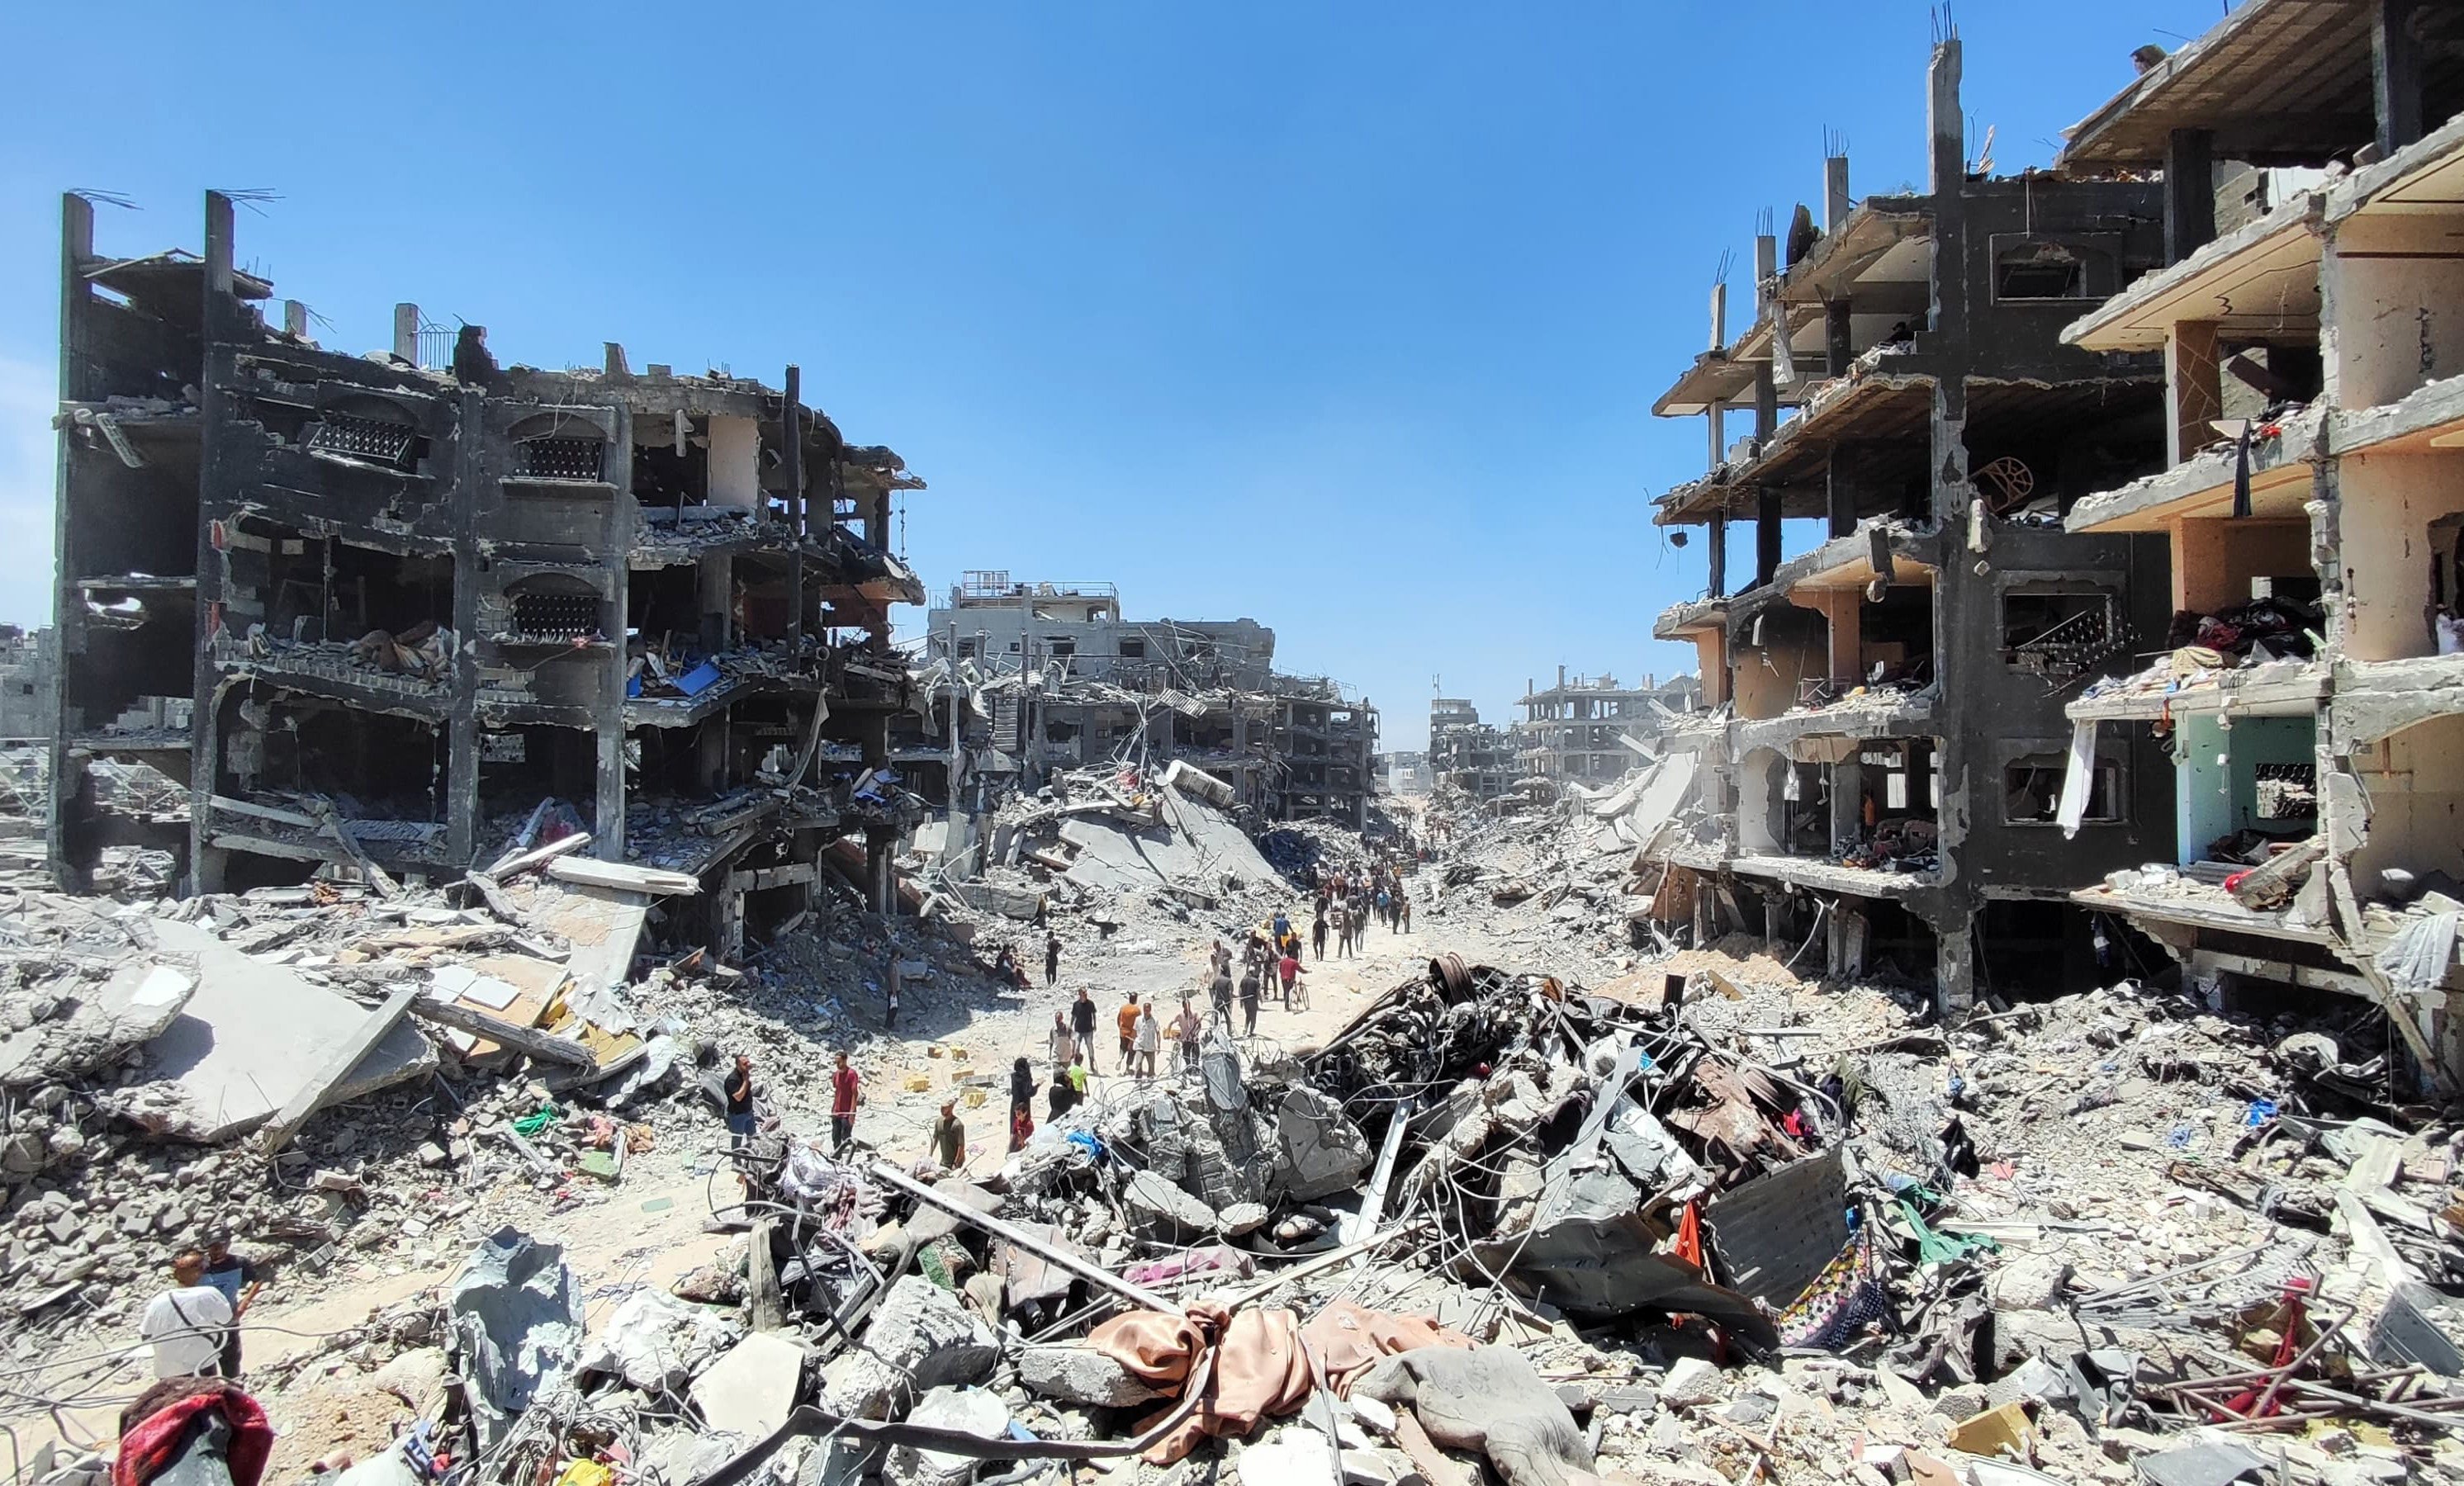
x,y
1346,319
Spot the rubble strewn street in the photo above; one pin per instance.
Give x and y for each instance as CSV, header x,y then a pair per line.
x,y
1684,1215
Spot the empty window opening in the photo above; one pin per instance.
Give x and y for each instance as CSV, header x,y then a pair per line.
x,y
2031,792
1133,649
1061,647
2286,792
2038,270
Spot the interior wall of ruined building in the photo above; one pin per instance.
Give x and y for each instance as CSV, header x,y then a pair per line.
x,y
1777,650
2388,506
2214,562
2230,779
2393,294
2414,785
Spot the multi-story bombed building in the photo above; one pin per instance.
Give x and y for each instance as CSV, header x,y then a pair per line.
x,y
1467,754
1888,733
1036,676
424,607
2309,690
1589,730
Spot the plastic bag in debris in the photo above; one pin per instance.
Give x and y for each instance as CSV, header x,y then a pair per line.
x,y
515,1312
814,1177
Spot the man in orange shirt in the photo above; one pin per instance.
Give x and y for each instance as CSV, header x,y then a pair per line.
x,y
1128,1023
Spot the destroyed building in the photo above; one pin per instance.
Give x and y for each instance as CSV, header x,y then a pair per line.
x,y
27,690
1881,770
1589,730
1034,677
389,591
2308,694
1467,754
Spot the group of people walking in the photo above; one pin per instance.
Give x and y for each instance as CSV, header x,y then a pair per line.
x,y
1346,908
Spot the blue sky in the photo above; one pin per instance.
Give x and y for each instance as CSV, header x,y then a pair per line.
x,y
1346,319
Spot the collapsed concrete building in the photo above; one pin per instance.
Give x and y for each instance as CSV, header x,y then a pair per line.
x,y
1033,677
2309,691
422,608
1591,731
1887,742
1469,755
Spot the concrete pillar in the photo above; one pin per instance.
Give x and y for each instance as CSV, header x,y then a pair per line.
x,y
1847,802
1766,406
2396,75
1707,913
295,319
1955,969
2195,385
710,751
607,825
1767,533
1718,555
713,588
1835,193
1945,128
1766,265
2190,192
405,333
1839,488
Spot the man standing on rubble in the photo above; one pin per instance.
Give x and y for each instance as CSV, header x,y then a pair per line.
x,y
1052,957
1126,1022
843,1102
1287,971
1341,918
739,1100
1061,1043
1188,1028
1220,992
235,1279
950,1137
1150,1036
186,1322
1081,1021
1249,982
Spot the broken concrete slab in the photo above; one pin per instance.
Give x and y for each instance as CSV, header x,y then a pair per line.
x,y
1158,1208
601,925
751,1389
921,1337
248,1040
967,1411
65,1027
516,1311
1081,1375
1325,1153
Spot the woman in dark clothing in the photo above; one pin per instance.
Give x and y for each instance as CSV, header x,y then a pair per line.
x,y
1060,1094
1021,1105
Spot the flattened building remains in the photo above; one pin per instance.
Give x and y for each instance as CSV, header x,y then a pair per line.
x,y
2136,599
1033,677
401,613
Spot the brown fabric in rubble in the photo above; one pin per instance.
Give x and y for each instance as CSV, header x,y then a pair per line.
x,y
1261,1360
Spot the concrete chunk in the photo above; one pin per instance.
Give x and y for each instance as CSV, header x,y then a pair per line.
x,y
1081,1375
751,1389
921,1336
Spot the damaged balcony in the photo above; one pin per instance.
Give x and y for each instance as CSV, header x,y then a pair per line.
x,y
1842,815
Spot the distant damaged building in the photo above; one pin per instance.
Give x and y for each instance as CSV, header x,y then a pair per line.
x,y
1032,677
1588,730
404,613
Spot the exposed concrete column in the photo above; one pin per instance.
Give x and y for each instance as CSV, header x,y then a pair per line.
x,y
1767,533
2194,385
607,824
1847,802
2190,192
715,586
1955,967
1717,556
405,333
710,751
1839,488
791,467
1839,338
1835,193
462,723
1766,406
2396,75
880,881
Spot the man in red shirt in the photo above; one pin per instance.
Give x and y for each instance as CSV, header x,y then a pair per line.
x,y
843,1102
1287,971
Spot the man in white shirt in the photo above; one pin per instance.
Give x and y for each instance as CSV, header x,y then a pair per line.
x,y
186,1322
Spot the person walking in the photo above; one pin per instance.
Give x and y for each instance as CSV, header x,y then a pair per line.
x,y
1218,992
1402,914
1126,1022
1189,1028
1060,1043
1022,1103
1249,982
1060,1096
1082,1019
1385,908
185,1325
950,1137
844,1096
1289,970
1149,1040
1052,957
1317,934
